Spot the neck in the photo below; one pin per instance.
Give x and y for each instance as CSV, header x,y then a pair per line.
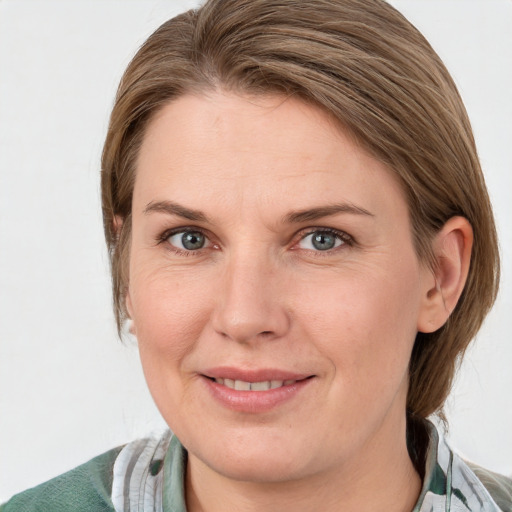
x,y
376,479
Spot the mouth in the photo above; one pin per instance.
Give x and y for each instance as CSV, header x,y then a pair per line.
x,y
255,391
264,385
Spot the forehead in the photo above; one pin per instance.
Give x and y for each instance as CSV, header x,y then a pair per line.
x,y
255,147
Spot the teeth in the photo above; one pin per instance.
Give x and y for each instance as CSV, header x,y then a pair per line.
x,y
241,385
260,386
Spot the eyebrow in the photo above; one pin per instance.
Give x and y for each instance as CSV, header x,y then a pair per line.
x,y
293,217
310,214
175,209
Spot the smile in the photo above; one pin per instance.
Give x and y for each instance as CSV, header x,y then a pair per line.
x,y
255,392
265,385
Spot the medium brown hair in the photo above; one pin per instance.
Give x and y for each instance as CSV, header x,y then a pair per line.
x,y
364,63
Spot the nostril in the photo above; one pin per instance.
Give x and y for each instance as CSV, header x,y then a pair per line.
x,y
247,323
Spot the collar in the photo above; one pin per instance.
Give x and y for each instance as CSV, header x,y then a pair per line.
x,y
149,475
449,484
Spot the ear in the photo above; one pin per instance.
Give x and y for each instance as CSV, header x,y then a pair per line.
x,y
452,250
129,309
117,223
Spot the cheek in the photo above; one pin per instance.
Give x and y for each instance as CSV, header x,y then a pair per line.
x,y
365,322
169,310
169,314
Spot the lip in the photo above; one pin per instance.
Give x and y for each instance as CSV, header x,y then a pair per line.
x,y
251,375
254,402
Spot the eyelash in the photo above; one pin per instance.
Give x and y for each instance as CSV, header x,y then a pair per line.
x,y
345,238
164,238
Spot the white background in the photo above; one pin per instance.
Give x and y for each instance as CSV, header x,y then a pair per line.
x,y
69,389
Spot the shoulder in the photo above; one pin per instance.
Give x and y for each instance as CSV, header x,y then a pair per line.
x,y
451,483
125,478
85,488
498,486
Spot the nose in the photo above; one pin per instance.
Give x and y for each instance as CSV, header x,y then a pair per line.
x,y
250,304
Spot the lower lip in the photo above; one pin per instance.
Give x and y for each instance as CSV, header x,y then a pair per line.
x,y
255,401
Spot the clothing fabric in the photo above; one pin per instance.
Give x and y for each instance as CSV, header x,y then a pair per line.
x,y
148,476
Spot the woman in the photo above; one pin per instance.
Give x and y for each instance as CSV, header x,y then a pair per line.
x,y
302,242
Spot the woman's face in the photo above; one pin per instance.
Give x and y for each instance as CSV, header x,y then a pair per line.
x,y
274,288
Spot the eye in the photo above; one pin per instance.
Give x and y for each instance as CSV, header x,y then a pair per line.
x,y
323,240
187,240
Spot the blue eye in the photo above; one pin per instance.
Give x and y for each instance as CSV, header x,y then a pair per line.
x,y
321,240
188,240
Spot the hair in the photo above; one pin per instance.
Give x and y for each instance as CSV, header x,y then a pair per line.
x,y
365,64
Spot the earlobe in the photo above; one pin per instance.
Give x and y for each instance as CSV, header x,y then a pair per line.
x,y
129,309
452,250
117,223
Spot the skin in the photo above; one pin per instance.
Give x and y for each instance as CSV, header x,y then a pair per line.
x,y
259,295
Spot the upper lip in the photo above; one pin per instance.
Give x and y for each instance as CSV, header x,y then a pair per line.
x,y
253,375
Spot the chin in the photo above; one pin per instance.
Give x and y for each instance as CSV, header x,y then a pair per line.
x,y
272,461
264,469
